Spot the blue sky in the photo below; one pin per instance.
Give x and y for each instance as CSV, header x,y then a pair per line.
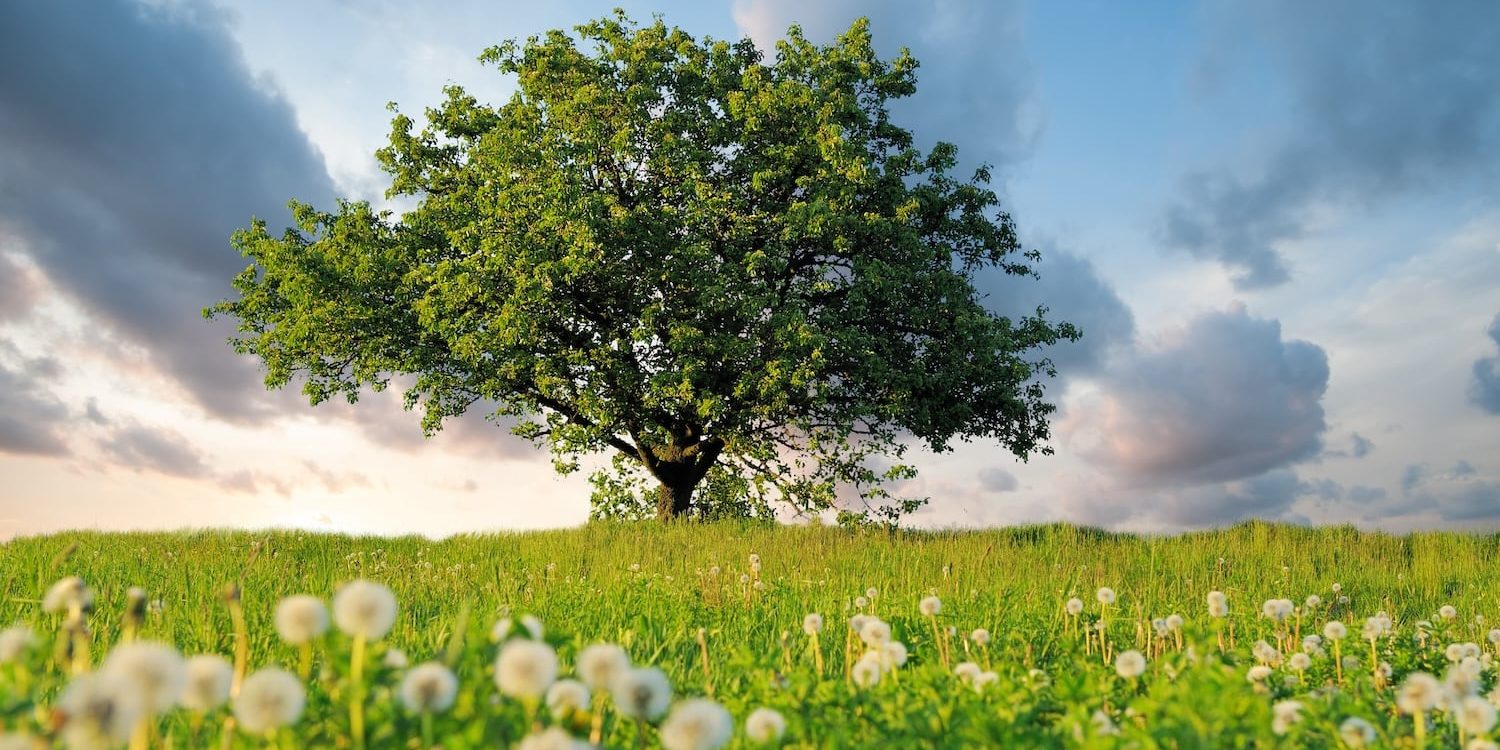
x,y
1276,222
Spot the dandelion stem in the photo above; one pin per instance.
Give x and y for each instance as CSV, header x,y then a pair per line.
x,y
357,693
427,729
304,661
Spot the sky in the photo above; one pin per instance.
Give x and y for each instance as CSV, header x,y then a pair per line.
x,y
1276,223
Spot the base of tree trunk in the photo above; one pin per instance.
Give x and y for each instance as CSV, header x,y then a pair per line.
x,y
673,501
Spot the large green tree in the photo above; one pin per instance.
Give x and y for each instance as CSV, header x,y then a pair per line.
x,y
672,250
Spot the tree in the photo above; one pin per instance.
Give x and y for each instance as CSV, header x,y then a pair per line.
x,y
677,252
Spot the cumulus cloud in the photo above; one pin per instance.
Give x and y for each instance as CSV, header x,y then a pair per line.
x,y
1389,99
19,288
1072,290
975,86
996,479
1458,494
133,141
33,421
1484,389
161,450
1104,501
1225,398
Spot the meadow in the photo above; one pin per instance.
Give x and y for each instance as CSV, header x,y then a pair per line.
x,y
1046,636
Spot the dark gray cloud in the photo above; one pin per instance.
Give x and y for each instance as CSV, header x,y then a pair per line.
x,y
1359,447
996,479
1268,496
33,421
1226,398
160,450
1484,389
133,141
1389,98
1457,494
975,87
1070,287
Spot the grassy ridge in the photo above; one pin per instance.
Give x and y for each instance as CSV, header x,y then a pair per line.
x,y
651,588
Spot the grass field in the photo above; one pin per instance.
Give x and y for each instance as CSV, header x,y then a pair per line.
x,y
687,599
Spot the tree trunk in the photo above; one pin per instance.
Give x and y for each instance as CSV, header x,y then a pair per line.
x,y
673,500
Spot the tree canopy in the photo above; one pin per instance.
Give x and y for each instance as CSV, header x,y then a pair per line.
x,y
708,263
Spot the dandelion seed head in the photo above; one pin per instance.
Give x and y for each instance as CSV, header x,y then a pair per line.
x,y
1174,622
812,623
765,725
871,593
364,608
1337,587
98,710
1258,673
642,694
552,738
68,594
1299,661
930,606
155,671
1418,693
1447,612
429,688
1475,715
269,699
1285,714
980,637
1335,630
15,641
525,669
1313,601
966,671
395,658
566,698
207,681
892,655
1105,595
875,632
865,673
857,622
301,618
1130,664
697,724
1074,606
985,678
860,602
1356,732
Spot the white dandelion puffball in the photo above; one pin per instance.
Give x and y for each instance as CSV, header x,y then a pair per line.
x,y
269,699
99,710
875,632
1284,714
865,672
697,724
567,697
301,618
1419,693
1299,661
552,738
207,684
765,725
601,664
14,642
1258,673
857,623
155,671
1174,622
982,679
871,593
980,637
892,655
1312,643
533,626
429,688
1074,606
812,624
966,671
860,602
364,608
1313,601
525,669
1475,715
395,658
1494,637
1130,664
1106,595
642,694
930,606
1356,732
1335,630
1447,612
1218,604
67,594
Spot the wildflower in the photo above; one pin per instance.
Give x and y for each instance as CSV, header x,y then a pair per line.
x,y
875,632
395,659
206,686
1313,601
600,664
1174,622
871,593
1312,643
1284,714
1335,630
930,606
1258,673
642,694
1277,609
155,672
68,594
1074,606
552,738
1337,587
1356,732
1475,715
14,642
429,688
980,637
1494,636
697,724
269,699
966,671
860,602
765,725
1218,604
525,669
985,678
1106,595
1299,662
892,655
1130,664
567,697
364,609
1447,612
1418,694
1102,724
98,710
865,673
301,618
857,623
1376,626
812,624
1266,653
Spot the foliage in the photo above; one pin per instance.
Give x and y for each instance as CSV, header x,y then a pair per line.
x,y
674,251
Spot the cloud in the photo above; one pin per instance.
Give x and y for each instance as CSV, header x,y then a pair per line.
x,y
1460,494
1484,389
975,86
1071,289
1223,399
33,421
1103,501
161,450
19,289
1389,99
1359,447
133,141
996,479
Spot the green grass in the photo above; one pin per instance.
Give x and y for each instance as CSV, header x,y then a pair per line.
x,y
582,584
